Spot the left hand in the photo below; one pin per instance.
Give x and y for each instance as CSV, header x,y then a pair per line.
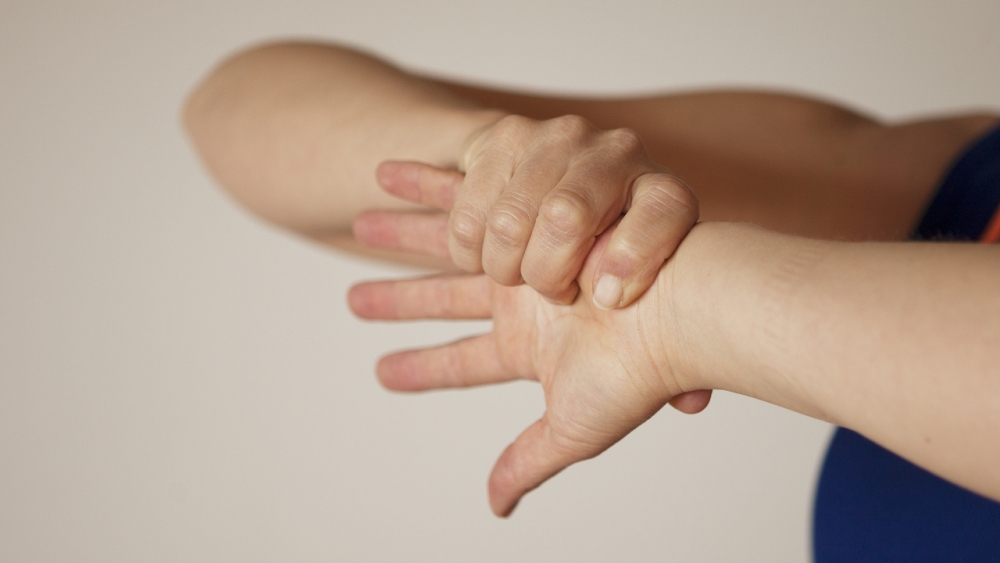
x,y
532,197
603,372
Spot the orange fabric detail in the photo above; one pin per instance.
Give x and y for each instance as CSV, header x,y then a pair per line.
x,y
992,233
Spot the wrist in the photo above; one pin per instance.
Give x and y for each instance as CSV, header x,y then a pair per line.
x,y
728,292
682,325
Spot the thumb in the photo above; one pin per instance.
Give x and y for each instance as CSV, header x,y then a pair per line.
x,y
535,456
663,211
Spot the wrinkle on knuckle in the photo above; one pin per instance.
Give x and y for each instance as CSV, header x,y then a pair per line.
x,y
625,143
670,195
510,132
504,142
510,225
573,128
628,255
466,230
571,440
566,215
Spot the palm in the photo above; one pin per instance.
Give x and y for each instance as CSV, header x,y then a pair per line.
x,y
599,378
595,367
598,384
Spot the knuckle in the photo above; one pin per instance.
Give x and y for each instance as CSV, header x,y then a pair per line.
x,y
672,196
571,127
507,138
509,224
625,142
466,230
566,215
565,446
570,442
629,255
513,127
573,439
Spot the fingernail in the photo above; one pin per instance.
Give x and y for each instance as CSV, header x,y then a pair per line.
x,y
608,293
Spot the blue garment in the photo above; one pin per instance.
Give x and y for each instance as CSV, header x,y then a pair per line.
x,y
874,506
968,198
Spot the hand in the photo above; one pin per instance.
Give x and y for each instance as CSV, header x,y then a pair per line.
x,y
534,197
603,372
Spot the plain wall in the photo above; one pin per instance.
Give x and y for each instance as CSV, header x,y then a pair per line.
x,y
179,382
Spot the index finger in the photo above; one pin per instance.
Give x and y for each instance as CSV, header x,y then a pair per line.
x,y
420,183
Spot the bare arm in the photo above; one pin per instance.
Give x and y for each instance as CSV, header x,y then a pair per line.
x,y
295,131
897,341
789,163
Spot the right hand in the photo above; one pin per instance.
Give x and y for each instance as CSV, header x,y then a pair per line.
x,y
603,372
532,200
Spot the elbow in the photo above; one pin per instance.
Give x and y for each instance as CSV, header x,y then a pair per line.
x,y
222,119
223,83
206,110
217,97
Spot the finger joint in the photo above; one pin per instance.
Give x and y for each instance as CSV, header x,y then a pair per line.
x,y
567,216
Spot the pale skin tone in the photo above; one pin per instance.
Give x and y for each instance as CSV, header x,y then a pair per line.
x,y
297,133
837,331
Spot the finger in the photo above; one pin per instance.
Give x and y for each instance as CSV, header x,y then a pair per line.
x,y
488,170
590,196
468,362
692,402
420,183
512,217
534,457
663,210
424,233
435,297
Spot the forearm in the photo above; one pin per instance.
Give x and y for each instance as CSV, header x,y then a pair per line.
x,y
897,341
790,163
295,131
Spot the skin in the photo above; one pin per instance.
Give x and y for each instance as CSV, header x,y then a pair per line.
x,y
308,136
742,309
535,194
792,164
597,387
295,132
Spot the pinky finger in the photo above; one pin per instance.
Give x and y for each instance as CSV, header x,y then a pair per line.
x,y
692,402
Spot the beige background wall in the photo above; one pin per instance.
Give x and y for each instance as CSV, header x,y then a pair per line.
x,y
179,382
